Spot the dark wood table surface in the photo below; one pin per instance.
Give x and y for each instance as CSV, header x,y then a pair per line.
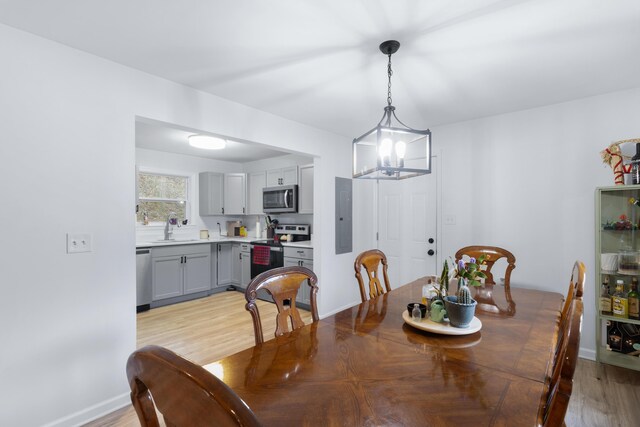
x,y
365,367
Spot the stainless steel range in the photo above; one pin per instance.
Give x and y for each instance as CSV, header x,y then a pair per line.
x,y
265,255
268,254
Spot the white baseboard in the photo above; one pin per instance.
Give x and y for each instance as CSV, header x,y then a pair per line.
x,y
92,413
586,353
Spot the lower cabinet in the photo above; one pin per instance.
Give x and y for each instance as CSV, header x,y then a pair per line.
x,y
300,257
234,264
241,265
180,270
224,264
245,265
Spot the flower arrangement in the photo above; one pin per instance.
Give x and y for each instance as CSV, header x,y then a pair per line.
x,y
468,274
470,271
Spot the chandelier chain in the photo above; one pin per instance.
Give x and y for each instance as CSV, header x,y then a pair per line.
x,y
389,73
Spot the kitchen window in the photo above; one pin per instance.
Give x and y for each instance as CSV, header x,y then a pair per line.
x,y
160,194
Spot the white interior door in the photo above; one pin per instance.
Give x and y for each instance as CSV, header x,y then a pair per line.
x,y
407,227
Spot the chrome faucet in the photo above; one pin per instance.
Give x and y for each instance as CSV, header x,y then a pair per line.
x,y
172,219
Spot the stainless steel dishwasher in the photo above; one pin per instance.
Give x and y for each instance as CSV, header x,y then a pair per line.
x,y
143,279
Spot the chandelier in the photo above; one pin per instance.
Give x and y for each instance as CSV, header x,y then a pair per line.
x,y
391,150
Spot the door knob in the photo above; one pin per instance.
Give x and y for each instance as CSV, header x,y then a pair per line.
x,y
431,240
430,252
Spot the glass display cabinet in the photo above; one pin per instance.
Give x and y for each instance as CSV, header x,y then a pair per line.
x,y
618,272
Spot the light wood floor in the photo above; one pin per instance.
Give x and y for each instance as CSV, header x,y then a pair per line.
x,y
208,329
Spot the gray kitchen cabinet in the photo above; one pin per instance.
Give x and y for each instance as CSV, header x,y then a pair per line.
x,y
180,270
305,190
235,263
197,272
235,191
300,257
282,176
166,276
256,182
211,193
224,264
245,265
214,265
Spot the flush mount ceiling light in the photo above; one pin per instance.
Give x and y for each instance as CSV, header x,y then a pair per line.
x,y
207,142
391,150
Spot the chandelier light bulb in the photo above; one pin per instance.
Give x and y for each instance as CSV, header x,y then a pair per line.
x,y
385,148
401,149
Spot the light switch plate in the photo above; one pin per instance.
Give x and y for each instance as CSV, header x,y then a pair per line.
x,y
78,242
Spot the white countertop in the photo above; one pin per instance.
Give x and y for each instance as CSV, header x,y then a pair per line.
x,y
158,243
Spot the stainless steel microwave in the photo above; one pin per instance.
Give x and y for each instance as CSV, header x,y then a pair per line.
x,y
281,199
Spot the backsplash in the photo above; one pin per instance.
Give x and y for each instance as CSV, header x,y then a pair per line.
x,y
192,231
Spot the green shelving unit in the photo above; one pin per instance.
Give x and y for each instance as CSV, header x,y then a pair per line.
x,y
615,236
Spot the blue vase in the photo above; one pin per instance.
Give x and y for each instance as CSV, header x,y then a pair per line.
x,y
460,315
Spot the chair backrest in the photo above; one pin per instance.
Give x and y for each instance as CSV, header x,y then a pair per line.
x,y
484,295
560,383
283,285
575,291
576,287
185,394
492,254
371,261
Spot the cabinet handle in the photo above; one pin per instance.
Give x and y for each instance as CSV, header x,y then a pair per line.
x,y
222,210
242,210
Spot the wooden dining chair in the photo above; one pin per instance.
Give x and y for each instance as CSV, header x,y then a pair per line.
x,y
575,291
283,285
484,294
371,261
559,384
184,393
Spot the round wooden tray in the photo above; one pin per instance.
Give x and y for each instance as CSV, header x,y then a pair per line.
x,y
443,328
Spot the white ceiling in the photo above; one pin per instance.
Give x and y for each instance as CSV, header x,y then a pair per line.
x,y
159,136
318,63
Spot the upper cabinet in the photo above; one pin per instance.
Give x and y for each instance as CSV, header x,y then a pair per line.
x,y
222,194
256,182
211,193
241,194
282,176
235,200
305,190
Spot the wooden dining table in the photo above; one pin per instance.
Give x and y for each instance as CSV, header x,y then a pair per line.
x,y
364,366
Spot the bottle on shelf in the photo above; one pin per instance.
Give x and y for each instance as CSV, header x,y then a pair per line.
x,y
619,301
633,301
635,166
605,298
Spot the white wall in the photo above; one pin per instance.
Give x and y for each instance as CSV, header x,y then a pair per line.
x,y
68,121
526,181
